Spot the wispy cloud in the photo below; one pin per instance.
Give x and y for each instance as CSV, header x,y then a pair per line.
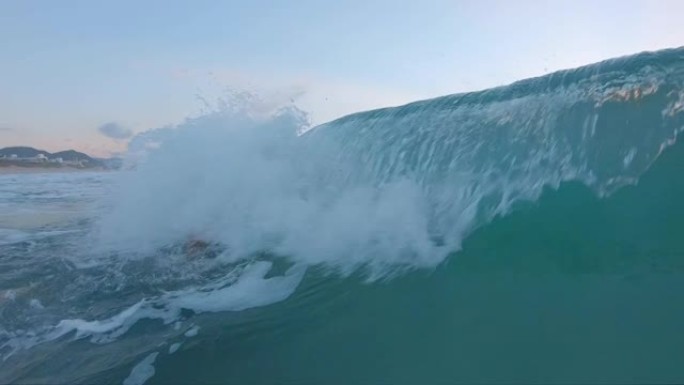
x,y
115,131
6,129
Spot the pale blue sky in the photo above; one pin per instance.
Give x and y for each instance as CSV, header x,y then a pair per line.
x,y
67,67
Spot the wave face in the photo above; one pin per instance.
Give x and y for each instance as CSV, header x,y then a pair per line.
x,y
602,124
554,200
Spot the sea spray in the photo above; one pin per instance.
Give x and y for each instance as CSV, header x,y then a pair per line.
x,y
251,183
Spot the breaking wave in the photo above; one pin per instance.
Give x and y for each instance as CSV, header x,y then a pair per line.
x,y
229,210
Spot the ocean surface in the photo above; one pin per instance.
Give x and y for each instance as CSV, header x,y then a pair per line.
x,y
530,233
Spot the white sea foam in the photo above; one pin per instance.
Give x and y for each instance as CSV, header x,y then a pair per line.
x,y
253,185
246,288
192,332
36,304
174,347
143,371
10,295
10,236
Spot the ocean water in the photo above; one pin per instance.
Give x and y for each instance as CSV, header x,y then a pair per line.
x,y
529,233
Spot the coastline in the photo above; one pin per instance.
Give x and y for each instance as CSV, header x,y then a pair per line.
x,y
7,170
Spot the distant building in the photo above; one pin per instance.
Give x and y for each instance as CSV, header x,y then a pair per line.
x,y
40,158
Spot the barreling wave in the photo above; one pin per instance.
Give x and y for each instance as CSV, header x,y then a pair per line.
x,y
400,187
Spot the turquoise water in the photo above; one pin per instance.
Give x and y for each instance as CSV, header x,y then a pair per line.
x,y
571,289
525,234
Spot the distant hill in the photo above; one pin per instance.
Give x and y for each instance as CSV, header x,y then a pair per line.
x,y
22,152
71,156
67,156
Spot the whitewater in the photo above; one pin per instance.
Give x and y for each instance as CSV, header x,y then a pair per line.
x,y
525,233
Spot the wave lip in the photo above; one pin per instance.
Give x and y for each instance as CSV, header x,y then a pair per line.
x,y
603,125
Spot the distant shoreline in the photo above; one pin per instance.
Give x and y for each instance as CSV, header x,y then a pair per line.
x,y
4,170
22,159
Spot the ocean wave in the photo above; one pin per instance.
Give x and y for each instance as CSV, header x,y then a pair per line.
x,y
396,188
374,194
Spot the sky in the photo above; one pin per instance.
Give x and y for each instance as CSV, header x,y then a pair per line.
x,y
90,74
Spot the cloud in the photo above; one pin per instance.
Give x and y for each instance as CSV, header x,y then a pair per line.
x,y
115,131
6,129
